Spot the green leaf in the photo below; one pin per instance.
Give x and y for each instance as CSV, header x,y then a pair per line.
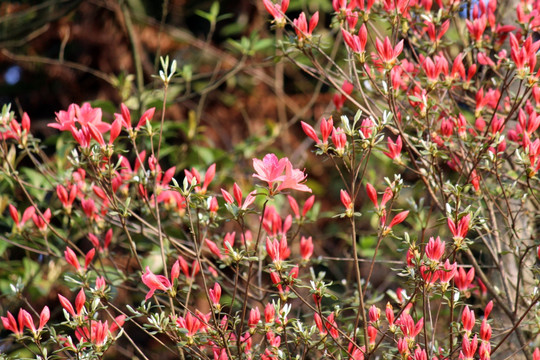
x,y
204,15
214,9
263,44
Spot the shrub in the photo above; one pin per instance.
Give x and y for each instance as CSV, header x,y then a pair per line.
x,y
437,155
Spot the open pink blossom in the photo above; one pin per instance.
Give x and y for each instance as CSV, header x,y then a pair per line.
x,y
155,282
293,179
270,169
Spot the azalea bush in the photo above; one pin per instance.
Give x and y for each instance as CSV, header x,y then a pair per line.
x,y
421,243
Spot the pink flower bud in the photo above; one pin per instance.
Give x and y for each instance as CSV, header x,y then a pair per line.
x,y
435,249
374,314
254,317
44,317
215,294
468,319
399,218
310,132
327,127
308,205
79,301
269,313
346,199
389,314
71,258
294,206
66,305
372,194
306,247
227,197
89,257
372,335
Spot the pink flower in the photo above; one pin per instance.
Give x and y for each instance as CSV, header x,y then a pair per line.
x,y
65,198
294,206
468,348
277,11
403,348
227,196
270,169
310,132
366,128
215,295
339,138
10,323
214,248
303,31
372,195
485,331
389,311
100,283
357,43
347,202
464,279
477,27
327,126
346,199
277,250
420,354
372,335
28,213
44,317
429,276
154,282
447,272
308,205
409,328
374,314
435,249
29,322
329,323
194,174
97,334
357,353
394,149
306,247
398,219
71,258
125,118
293,179
243,205
89,257
460,231
65,119
228,241
66,305
254,317
80,300
468,320
387,53
89,120
191,323
213,206
42,222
